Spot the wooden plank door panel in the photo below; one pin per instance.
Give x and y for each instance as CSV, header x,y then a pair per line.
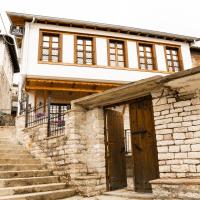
x,y
143,143
116,150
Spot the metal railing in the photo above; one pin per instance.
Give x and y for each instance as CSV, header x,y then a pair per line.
x,y
52,114
56,119
127,141
35,116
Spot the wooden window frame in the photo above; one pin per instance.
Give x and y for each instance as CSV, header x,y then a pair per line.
x,y
179,54
125,52
93,49
154,58
41,33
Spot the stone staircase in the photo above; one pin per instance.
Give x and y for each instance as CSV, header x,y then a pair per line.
x,y
23,177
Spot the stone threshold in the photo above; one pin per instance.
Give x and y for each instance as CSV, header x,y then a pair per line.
x,y
177,181
129,194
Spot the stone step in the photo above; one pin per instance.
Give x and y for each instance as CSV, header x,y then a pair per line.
x,y
19,167
12,156
28,181
31,189
49,195
19,161
25,173
13,151
11,146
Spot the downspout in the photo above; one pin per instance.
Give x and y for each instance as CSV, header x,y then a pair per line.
x,y
25,63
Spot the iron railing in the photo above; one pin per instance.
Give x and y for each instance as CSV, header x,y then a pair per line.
x,y
56,119
52,114
127,141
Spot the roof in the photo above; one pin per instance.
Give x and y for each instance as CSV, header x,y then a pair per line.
x,y
188,78
9,42
21,18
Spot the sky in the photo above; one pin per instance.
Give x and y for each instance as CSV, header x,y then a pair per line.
x,y
173,16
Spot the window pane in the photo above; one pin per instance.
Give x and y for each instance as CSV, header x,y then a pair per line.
x,y
176,64
112,63
150,67
142,53
169,63
55,52
80,47
45,58
120,51
175,57
119,46
142,60
169,57
79,41
149,55
55,39
88,61
45,51
88,48
112,50
142,66
121,64
54,58
120,58
46,38
88,42
80,54
89,55
174,52
168,51
45,44
80,61
54,45
141,48
149,61
112,45
112,57
148,49
170,69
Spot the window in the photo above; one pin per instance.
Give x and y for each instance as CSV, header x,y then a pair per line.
x,y
173,61
116,53
146,59
50,47
84,51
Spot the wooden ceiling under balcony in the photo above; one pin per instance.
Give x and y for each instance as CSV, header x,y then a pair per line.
x,y
67,85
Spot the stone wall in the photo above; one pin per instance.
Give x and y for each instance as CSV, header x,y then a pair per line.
x,y
77,155
177,124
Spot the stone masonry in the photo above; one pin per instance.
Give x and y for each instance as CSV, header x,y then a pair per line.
x,y
177,124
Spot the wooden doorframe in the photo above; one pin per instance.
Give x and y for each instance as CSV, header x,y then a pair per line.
x,y
142,99
106,148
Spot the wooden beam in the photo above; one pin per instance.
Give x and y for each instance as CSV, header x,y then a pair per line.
x,y
62,89
73,82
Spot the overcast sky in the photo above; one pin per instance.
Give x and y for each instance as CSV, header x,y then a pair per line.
x,y
175,16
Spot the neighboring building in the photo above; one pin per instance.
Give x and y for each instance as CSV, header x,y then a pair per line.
x,y
8,66
67,59
195,53
14,99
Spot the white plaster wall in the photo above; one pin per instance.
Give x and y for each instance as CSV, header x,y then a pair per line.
x,y
68,48
101,51
132,54
33,69
160,56
186,56
2,49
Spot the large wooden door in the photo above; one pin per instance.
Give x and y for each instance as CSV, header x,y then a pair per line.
x,y
143,140
116,166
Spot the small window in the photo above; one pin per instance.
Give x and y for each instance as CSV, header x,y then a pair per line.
x,y
172,58
116,53
50,47
146,58
84,51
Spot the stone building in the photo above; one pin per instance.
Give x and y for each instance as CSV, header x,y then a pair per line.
x,y
107,107
8,66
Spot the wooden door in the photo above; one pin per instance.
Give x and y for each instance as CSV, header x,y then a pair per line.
x,y
143,140
116,166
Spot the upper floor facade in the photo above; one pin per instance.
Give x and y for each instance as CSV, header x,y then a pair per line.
x,y
54,48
